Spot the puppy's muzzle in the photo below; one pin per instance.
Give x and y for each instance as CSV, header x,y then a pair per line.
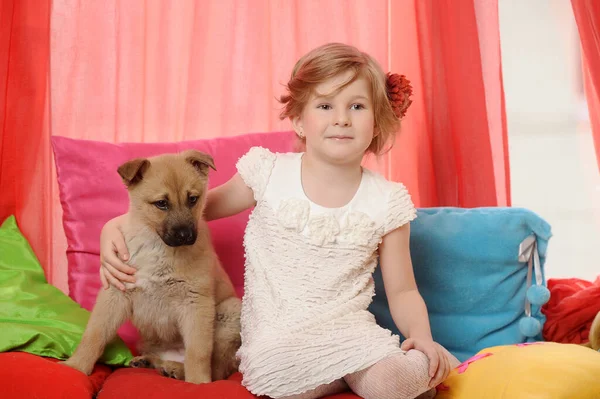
x,y
180,235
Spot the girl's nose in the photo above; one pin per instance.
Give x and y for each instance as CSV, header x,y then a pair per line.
x,y
342,118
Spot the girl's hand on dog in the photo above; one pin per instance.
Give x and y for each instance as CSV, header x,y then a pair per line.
x,y
113,254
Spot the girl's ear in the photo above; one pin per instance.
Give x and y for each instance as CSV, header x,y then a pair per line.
x,y
298,126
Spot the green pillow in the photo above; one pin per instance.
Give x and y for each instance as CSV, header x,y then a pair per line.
x,y
36,317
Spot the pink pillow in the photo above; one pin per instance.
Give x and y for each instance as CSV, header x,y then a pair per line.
x,y
91,193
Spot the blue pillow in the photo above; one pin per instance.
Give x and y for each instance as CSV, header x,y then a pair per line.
x,y
467,267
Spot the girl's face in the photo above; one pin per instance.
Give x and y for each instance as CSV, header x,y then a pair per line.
x,y
339,128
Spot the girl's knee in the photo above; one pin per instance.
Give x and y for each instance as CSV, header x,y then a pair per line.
x,y
415,377
420,367
402,376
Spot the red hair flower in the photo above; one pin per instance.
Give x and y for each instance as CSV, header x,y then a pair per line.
x,y
399,91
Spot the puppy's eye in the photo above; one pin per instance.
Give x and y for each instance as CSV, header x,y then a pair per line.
x,y
163,205
193,199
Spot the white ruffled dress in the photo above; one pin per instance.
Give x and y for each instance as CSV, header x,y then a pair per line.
x,y
308,277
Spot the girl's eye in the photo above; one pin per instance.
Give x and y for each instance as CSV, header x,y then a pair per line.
x,y
324,106
357,106
163,205
193,199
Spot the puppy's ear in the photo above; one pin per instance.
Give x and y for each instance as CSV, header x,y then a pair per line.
x,y
199,160
133,171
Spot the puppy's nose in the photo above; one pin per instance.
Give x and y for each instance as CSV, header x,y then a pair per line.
x,y
185,235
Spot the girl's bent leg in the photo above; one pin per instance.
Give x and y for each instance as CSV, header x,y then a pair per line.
x,y
400,376
336,386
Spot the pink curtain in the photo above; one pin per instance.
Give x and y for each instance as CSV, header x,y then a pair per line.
x,y
587,15
176,70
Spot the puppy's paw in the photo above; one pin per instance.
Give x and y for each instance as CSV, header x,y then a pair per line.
x,y
85,369
172,369
141,362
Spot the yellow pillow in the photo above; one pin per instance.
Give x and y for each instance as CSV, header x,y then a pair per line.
x,y
529,371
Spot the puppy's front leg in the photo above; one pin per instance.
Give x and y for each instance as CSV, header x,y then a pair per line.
x,y
197,332
111,310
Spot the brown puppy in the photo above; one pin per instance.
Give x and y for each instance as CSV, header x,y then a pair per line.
x,y
183,302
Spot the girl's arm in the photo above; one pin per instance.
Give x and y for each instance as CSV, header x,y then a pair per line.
x,y
228,199
406,303
114,254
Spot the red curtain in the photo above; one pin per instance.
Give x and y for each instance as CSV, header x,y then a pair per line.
x,y
454,149
25,185
587,15
175,70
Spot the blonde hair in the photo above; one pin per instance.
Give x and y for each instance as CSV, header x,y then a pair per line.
x,y
328,61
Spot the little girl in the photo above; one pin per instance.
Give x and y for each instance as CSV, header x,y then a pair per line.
x,y
319,226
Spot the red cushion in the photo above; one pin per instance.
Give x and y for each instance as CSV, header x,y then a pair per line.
x,y
148,384
23,375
